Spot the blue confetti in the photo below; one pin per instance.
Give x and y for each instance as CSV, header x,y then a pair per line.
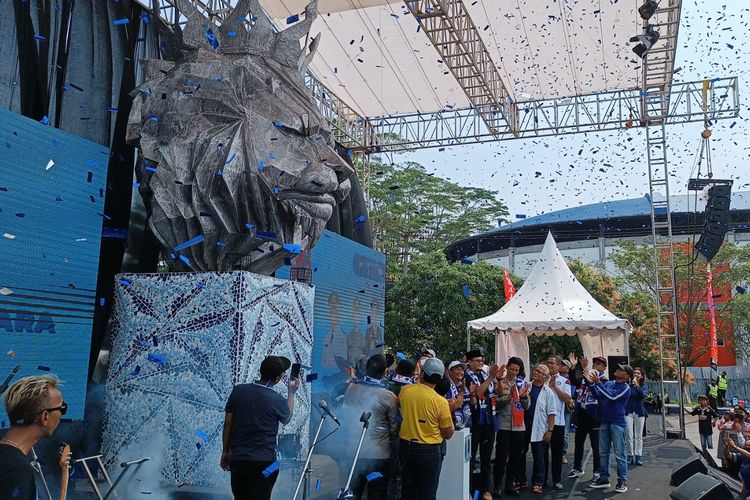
x,y
136,371
185,259
156,358
120,22
266,235
220,244
231,159
212,41
401,356
467,291
292,19
261,166
250,226
311,377
271,469
41,38
232,34
189,243
44,368
153,118
317,485
125,282
360,219
476,494
145,18
102,301
44,120
291,248
373,475
201,434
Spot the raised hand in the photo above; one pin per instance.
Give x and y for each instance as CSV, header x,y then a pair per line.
x,y
584,362
573,359
494,369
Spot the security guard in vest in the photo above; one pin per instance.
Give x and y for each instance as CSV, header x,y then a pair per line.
x,y
712,393
723,385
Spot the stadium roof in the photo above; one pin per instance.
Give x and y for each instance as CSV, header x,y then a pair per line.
x,y
618,219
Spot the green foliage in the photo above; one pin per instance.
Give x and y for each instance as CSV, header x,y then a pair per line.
x,y
427,307
414,212
635,264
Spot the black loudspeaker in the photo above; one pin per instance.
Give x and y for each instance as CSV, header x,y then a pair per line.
x,y
716,221
612,362
702,487
687,468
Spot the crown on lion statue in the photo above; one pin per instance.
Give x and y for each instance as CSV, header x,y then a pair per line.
x,y
247,30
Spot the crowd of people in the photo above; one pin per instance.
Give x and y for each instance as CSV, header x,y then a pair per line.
x,y
416,404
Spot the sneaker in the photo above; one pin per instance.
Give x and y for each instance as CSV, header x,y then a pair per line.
x,y
638,460
595,476
574,473
558,486
621,487
600,483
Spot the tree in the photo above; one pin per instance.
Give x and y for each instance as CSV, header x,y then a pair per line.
x,y
414,212
429,306
635,264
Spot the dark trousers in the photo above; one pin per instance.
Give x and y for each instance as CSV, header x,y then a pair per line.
x,y
586,426
420,470
482,439
722,397
556,447
524,452
712,402
508,456
539,450
378,471
248,481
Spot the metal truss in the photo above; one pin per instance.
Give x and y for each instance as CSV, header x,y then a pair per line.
x,y
658,63
451,30
586,113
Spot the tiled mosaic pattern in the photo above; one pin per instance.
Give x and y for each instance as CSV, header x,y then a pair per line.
x,y
181,341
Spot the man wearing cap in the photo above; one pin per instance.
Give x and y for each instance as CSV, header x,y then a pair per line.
x,y
562,389
426,423
587,417
483,428
613,398
458,395
251,424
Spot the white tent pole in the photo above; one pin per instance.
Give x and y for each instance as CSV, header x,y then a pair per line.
x,y
468,339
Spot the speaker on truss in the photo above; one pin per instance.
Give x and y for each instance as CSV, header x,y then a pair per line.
x,y
702,487
687,468
716,221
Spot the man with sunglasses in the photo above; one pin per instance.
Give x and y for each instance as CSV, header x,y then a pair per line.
x,y
35,407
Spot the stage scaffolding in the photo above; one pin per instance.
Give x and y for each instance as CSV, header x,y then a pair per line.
x,y
493,115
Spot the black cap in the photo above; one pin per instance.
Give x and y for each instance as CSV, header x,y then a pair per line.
x,y
628,369
600,359
273,366
475,353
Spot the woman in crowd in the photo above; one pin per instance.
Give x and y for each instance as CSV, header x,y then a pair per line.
x,y
635,417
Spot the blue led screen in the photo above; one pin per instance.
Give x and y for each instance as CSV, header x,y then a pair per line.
x,y
349,281
52,188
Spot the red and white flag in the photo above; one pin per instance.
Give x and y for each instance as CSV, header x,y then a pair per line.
x,y
510,290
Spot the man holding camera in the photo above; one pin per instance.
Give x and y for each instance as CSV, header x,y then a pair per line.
x,y
251,424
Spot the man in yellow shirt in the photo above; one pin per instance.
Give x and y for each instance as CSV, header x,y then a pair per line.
x,y
426,422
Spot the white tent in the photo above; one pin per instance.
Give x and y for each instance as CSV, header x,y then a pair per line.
x,y
553,302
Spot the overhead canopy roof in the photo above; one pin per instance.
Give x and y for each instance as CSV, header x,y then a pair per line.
x,y
551,302
373,56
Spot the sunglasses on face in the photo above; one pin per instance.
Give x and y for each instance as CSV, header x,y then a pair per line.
x,y
63,408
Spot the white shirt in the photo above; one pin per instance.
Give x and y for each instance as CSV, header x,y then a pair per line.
x,y
563,384
546,405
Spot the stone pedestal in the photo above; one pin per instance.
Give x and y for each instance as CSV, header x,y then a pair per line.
x,y
181,341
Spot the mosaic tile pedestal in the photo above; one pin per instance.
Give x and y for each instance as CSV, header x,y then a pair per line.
x,y
181,341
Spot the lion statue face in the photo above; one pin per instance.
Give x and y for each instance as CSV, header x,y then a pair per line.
x,y
238,170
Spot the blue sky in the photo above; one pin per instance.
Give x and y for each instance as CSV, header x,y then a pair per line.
x,y
707,30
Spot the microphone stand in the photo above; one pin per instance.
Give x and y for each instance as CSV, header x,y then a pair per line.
x,y
307,471
346,493
38,468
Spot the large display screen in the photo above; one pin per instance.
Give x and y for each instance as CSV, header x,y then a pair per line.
x,y
52,188
349,281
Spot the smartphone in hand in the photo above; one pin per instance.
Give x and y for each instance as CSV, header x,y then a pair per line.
x,y
296,368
